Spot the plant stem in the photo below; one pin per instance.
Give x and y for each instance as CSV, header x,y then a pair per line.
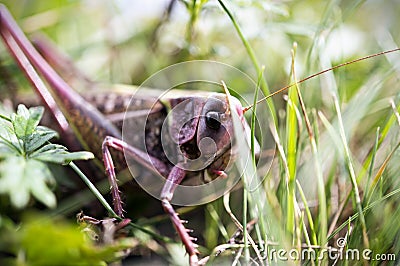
x,y
93,189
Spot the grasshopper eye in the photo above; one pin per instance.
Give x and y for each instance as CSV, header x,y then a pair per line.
x,y
213,120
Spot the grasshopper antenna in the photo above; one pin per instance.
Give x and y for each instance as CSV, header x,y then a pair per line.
x,y
245,109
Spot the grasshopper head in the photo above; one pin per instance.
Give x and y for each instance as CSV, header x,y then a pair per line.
x,y
201,126
206,136
216,126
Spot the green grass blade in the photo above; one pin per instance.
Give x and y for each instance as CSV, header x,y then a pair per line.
x,y
292,129
371,166
253,58
309,215
351,173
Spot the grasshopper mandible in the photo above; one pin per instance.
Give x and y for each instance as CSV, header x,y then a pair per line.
x,y
207,116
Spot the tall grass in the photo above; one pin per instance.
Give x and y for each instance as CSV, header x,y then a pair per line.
x,y
336,167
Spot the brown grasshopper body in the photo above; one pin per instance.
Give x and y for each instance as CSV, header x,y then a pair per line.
x,y
200,116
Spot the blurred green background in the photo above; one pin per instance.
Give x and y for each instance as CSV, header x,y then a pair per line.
x,y
127,41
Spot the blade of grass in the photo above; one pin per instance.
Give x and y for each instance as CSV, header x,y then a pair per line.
x,y
367,208
239,225
396,113
248,172
371,166
253,58
291,150
253,161
379,174
215,216
388,125
309,215
306,236
260,227
323,216
350,168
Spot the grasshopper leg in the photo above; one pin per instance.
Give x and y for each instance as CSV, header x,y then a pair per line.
x,y
145,159
174,178
112,179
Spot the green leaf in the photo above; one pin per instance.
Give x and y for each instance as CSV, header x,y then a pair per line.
x,y
25,148
25,121
55,153
4,117
39,138
63,157
40,178
20,177
19,121
5,151
8,138
61,243
12,181
48,148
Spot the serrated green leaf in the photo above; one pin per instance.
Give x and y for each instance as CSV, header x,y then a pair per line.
x,y
38,139
63,157
8,138
22,111
36,114
48,148
19,120
44,129
4,117
8,146
25,121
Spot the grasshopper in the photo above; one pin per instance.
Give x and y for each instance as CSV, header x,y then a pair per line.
x,y
209,117
200,116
